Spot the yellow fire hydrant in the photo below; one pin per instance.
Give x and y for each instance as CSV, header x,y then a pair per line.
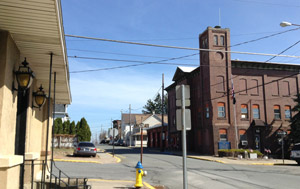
x,y
139,174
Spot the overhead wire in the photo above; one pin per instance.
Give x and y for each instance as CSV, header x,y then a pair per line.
x,y
118,67
182,48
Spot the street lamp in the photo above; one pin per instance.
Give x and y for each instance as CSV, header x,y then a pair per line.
x,y
24,76
284,24
39,97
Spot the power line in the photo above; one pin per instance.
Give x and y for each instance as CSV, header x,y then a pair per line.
x,y
285,50
183,48
265,37
123,54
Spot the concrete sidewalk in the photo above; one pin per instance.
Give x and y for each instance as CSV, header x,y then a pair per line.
x,y
101,158
112,184
233,160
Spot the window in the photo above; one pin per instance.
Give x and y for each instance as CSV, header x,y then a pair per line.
x,y
204,43
275,90
285,88
216,40
254,87
221,110
207,111
243,86
220,84
242,133
244,111
223,134
222,40
255,109
277,112
287,112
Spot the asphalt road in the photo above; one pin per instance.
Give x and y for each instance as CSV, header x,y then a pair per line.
x,y
166,170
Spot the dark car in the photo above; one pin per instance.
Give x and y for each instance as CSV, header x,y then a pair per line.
x,y
120,142
295,153
85,149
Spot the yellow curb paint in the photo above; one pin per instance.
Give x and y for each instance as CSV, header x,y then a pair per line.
x,y
262,164
195,157
103,180
148,185
77,161
118,159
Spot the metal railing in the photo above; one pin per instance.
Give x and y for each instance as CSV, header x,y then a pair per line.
x,y
62,180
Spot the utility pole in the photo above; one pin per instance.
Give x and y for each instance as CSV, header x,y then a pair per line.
x,y
142,125
130,125
162,115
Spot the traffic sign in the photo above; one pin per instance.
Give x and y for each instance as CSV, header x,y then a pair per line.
x,y
187,119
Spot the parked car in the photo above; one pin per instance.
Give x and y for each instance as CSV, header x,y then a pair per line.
x,y
104,141
120,142
85,149
295,153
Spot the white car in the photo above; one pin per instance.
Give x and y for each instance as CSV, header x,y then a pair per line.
x,y
295,153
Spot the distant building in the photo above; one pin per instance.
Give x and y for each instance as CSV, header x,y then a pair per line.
x,y
263,92
148,120
61,112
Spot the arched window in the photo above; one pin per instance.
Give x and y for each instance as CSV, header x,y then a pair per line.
x,y
220,83
216,40
275,88
243,86
285,88
254,86
221,110
207,111
244,111
255,110
277,112
287,112
223,134
222,40
242,133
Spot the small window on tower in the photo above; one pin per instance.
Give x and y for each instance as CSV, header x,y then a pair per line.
x,y
216,40
222,40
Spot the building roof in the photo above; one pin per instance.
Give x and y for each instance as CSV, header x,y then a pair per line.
x,y
182,71
37,29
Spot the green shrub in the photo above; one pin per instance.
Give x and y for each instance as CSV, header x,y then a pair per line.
x,y
236,152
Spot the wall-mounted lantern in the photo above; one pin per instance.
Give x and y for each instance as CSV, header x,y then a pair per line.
x,y
39,98
24,76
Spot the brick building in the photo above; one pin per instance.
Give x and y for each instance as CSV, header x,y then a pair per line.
x,y
264,95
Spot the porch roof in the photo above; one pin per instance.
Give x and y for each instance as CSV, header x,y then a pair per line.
x,y
37,29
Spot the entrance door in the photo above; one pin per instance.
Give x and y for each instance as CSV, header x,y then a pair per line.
x,y
257,141
21,129
21,122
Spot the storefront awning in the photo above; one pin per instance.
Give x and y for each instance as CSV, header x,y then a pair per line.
x,y
37,29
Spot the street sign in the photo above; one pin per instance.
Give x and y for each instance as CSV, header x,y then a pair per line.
x,y
179,92
111,132
187,119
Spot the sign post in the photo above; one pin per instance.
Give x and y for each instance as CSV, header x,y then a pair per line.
x,y
183,137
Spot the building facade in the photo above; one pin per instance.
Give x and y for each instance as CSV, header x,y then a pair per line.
x,y
61,111
234,104
25,131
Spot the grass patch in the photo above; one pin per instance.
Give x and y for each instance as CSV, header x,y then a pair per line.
x,y
63,151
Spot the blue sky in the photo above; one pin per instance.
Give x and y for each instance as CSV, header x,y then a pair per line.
x,y
101,96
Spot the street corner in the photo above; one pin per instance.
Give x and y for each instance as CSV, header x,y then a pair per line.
x,y
117,159
207,159
112,184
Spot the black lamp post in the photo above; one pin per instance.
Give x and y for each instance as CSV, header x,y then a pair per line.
x,y
24,76
39,98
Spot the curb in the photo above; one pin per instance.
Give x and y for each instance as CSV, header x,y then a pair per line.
x,y
126,181
77,161
118,159
205,159
270,164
